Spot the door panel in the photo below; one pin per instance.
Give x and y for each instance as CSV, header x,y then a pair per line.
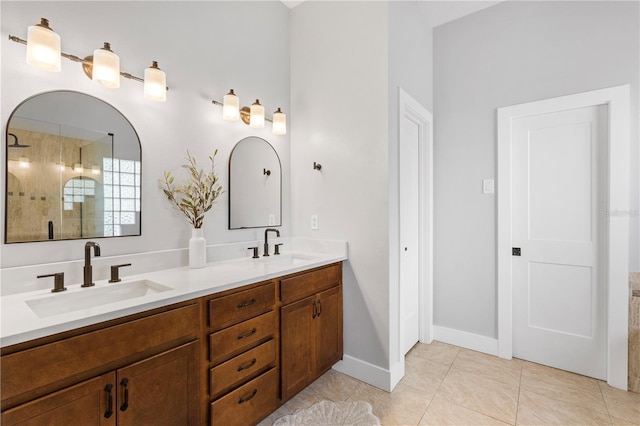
x,y
329,328
410,133
559,299
298,348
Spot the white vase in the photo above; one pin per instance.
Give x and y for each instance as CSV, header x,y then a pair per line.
x,y
197,249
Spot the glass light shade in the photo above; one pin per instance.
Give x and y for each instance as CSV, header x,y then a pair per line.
x,y
106,67
95,169
62,167
78,168
231,107
43,47
155,83
256,119
23,162
279,123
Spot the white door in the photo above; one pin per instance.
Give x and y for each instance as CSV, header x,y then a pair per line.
x,y
410,135
559,194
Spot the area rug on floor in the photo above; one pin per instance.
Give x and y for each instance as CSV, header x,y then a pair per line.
x,y
356,413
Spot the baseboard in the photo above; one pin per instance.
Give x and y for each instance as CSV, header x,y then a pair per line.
x,y
475,342
362,370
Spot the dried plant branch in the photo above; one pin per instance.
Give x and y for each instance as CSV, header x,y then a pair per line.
x,y
197,194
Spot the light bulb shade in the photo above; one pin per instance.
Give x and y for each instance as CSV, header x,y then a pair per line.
x,y
95,169
43,47
155,83
231,107
23,162
256,119
106,67
62,167
78,168
279,123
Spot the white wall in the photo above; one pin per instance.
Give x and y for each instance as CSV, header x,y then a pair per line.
x,y
205,48
339,101
508,54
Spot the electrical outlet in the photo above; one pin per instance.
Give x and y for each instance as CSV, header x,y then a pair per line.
x,y
314,222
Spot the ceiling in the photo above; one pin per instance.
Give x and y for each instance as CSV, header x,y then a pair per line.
x,y
436,12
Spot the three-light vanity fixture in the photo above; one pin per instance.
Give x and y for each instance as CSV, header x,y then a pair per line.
x,y
253,116
44,52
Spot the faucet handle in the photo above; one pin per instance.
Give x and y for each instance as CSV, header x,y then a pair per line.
x,y
277,249
255,252
115,270
58,281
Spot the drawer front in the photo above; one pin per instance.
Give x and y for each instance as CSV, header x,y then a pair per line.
x,y
248,404
237,370
234,308
231,341
304,285
54,365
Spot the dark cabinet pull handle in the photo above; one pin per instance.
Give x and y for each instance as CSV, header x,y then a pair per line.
x,y
243,400
125,404
109,411
245,304
248,365
319,308
315,310
245,335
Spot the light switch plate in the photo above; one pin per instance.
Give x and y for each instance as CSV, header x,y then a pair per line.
x,y
314,222
488,186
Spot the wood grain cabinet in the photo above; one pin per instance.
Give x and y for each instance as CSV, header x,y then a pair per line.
x,y
311,327
243,348
137,381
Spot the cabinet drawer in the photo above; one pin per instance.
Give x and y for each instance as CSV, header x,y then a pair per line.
x,y
237,307
52,366
303,285
248,404
229,374
231,341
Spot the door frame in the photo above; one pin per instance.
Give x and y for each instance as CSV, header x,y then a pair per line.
x,y
616,256
411,109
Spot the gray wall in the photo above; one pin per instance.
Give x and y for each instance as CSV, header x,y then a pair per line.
x,y
205,48
508,54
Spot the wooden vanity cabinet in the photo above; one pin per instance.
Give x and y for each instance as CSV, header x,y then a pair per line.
x,y
311,326
243,338
136,379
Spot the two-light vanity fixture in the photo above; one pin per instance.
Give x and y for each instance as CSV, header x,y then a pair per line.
x,y
44,52
253,116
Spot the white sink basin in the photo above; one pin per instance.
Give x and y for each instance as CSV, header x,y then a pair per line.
x,y
286,259
84,298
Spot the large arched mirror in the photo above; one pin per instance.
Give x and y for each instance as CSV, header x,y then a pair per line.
x,y
255,185
73,170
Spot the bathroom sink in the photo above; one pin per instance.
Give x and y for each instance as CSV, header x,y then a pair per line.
x,y
286,259
66,302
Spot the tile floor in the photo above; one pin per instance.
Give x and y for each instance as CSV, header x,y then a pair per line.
x,y
448,385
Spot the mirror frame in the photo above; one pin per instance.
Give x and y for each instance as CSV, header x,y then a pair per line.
x,y
6,169
230,193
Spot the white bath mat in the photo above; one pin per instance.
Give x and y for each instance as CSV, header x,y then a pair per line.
x,y
353,413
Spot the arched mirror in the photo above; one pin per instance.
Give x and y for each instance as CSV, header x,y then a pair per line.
x,y
73,170
255,185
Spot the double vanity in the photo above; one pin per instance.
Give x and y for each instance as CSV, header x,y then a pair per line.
x,y
222,345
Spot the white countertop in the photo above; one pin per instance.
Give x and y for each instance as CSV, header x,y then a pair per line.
x,y
19,323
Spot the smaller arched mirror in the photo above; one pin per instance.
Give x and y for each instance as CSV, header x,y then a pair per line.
x,y
73,170
255,185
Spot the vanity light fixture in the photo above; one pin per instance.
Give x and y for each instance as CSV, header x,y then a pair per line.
x,y
78,168
43,52
253,116
23,162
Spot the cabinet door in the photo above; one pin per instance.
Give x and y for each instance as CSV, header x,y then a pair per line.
x,y
161,390
298,346
86,403
328,329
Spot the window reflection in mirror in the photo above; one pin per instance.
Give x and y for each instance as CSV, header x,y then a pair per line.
x,y
73,170
255,185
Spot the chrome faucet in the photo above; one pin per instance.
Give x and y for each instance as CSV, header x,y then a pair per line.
x,y
266,241
88,269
